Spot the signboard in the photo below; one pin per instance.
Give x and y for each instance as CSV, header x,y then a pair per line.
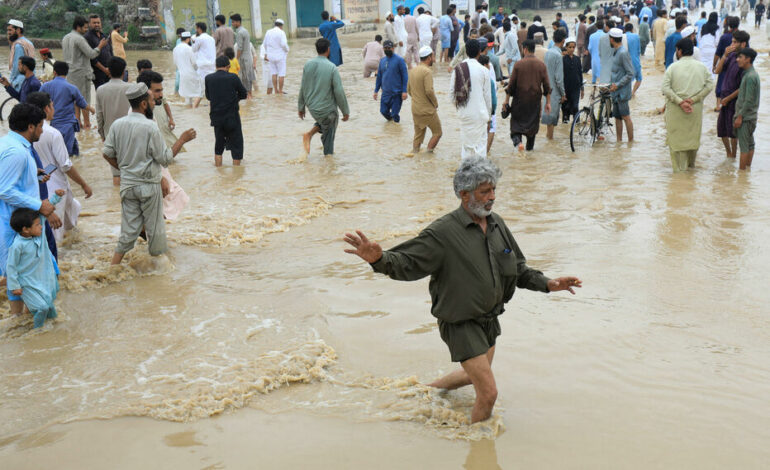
x,y
361,10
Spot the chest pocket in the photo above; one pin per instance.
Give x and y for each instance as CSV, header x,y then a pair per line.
x,y
506,262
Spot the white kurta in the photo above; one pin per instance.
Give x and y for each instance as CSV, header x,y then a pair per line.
x,y
475,115
266,77
424,23
53,151
205,50
708,47
189,82
276,46
401,33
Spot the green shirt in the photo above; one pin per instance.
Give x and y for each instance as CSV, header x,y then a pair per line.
x,y
321,90
747,103
471,274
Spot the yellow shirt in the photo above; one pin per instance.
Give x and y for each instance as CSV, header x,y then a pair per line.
x,y
117,44
235,66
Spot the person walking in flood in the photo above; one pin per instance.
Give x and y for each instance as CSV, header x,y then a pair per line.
x,y
526,87
472,96
276,48
424,102
747,105
321,92
554,64
189,82
112,104
685,84
135,146
77,53
224,90
373,53
475,267
243,54
392,77
328,30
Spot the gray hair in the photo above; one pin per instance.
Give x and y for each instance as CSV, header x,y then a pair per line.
x,y
473,172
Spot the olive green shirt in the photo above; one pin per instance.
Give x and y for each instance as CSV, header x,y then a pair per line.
x,y
471,274
747,103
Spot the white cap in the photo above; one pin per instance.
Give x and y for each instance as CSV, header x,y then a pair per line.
x,y
569,40
616,19
16,23
688,31
425,51
279,21
186,34
616,33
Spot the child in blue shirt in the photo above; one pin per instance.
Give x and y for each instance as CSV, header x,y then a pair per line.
x,y
31,268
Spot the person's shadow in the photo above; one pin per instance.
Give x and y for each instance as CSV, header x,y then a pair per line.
x,y
482,456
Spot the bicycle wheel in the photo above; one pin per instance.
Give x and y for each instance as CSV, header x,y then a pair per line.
x,y
2,106
583,131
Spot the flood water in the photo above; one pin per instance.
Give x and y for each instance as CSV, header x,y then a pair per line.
x,y
258,343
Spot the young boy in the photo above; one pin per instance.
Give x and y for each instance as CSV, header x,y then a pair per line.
x,y
31,267
747,105
235,66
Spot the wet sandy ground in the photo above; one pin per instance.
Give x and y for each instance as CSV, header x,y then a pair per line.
x,y
258,343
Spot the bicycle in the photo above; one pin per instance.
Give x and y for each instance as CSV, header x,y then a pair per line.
x,y
588,126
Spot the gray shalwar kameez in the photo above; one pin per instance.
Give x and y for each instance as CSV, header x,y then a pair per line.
x,y
247,74
138,146
554,63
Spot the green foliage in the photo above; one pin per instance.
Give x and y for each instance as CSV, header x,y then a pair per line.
x,y
52,21
133,33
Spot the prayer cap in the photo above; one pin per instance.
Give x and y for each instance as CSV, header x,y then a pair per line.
x,y
135,90
425,51
569,40
688,31
616,33
387,43
16,23
279,21
186,34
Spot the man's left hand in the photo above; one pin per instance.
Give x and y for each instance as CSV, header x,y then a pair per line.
x,y
613,87
165,188
738,122
5,81
404,96
564,283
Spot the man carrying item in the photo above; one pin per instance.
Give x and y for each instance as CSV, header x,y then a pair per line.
x,y
475,267
321,92
135,146
224,90
424,102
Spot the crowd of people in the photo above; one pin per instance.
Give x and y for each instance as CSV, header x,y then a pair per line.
x,y
486,54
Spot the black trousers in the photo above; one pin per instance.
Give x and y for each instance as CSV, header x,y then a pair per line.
x,y
229,135
516,138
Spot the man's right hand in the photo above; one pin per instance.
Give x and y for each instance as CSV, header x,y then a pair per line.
x,y
54,221
102,43
189,135
367,250
345,117
375,96
46,208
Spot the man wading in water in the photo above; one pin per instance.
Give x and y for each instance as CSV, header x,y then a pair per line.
x,y
475,266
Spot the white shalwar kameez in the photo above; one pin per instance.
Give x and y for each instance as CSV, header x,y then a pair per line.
x,y
276,48
205,50
401,33
476,113
189,82
53,151
266,77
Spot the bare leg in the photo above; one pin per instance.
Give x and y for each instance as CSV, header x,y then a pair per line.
x,y
733,147
275,83
117,258
16,307
726,143
629,128
636,87
746,160
480,373
116,180
619,129
217,160
307,136
549,132
280,85
460,377
490,139
237,162
196,102
432,144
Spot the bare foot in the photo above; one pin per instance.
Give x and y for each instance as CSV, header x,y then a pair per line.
x,y
236,163
306,142
116,180
217,160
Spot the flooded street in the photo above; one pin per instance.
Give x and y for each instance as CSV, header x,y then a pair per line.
x,y
258,343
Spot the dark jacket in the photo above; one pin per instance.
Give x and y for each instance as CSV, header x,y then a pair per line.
x,y
224,90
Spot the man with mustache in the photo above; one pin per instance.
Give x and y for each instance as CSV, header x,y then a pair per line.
x,y
475,266
135,146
